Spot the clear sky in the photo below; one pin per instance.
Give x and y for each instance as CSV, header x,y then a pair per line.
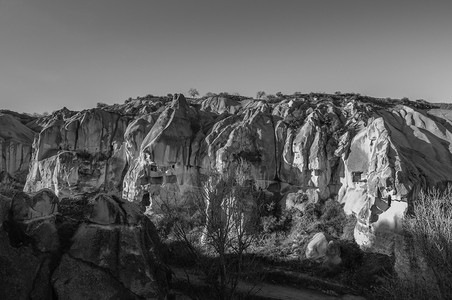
x,y
76,53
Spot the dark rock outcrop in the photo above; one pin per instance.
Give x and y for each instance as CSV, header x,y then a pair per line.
x,y
109,250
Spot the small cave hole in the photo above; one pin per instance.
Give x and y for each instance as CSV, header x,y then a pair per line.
x,y
356,176
145,201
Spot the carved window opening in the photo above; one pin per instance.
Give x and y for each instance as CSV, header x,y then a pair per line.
x,y
357,176
146,199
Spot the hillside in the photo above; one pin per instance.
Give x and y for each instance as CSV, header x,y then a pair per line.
x,y
368,156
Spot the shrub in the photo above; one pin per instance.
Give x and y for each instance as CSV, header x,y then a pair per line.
x,y
277,223
333,218
349,227
430,230
260,94
101,105
428,250
193,92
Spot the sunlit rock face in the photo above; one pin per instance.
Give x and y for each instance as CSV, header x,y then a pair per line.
x,y
399,152
221,105
15,146
163,153
373,156
81,154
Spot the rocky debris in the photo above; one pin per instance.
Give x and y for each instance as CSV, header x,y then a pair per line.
x,y
108,250
372,155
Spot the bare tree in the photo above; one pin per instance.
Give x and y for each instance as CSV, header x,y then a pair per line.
x,y
260,94
193,92
227,204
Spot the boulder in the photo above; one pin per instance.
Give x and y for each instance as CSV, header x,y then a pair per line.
x,y
104,249
19,270
28,240
323,248
119,241
317,247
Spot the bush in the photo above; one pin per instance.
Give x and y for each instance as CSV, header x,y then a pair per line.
x,y
101,105
430,230
275,223
349,228
333,218
427,251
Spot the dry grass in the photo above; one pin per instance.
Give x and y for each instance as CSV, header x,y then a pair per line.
x,y
431,231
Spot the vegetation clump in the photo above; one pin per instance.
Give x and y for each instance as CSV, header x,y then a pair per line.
x,y
427,245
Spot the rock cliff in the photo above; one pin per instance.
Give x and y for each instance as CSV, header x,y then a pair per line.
x,y
16,142
372,155
80,154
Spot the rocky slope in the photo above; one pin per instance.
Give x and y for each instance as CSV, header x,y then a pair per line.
x,y
372,155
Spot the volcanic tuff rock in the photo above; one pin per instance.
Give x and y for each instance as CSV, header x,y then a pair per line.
x,y
103,248
80,154
15,146
373,155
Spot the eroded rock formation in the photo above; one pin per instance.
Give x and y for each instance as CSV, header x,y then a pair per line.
x,y
81,154
370,154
